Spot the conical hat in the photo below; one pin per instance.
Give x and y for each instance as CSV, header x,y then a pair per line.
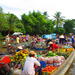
x,y
20,47
32,52
50,43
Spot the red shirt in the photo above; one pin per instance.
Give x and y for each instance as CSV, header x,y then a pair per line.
x,y
53,46
5,60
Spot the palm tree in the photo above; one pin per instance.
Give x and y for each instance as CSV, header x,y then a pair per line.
x,y
1,10
58,19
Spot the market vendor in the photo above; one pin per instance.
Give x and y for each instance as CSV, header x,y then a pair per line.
x,y
53,46
4,67
18,39
29,66
7,39
9,48
19,48
62,39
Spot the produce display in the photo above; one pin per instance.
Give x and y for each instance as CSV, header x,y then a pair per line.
x,y
40,46
21,55
66,50
17,60
49,60
54,60
49,69
50,54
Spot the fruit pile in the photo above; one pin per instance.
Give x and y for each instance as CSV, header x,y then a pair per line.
x,y
49,69
70,49
21,55
63,50
50,54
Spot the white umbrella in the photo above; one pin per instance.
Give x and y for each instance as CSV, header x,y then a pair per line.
x,y
17,33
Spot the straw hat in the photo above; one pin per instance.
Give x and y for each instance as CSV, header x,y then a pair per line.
x,y
32,52
20,47
9,44
50,43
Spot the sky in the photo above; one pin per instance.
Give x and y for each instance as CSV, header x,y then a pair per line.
x,y
18,7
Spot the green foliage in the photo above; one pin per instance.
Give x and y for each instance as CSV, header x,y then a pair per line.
x,y
3,23
37,23
58,19
1,10
9,23
60,30
49,27
69,25
1,35
34,23
14,24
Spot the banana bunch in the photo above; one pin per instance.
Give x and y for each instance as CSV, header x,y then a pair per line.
x,y
21,55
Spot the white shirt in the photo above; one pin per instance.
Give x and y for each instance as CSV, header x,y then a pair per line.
x,y
29,66
72,36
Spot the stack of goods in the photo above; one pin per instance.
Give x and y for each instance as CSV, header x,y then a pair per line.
x,y
48,70
69,49
58,60
50,54
53,61
65,52
17,60
66,49
40,46
50,61
21,55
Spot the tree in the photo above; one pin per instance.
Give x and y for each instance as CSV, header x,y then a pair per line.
x,y
14,24
69,26
37,23
1,10
27,22
3,23
60,30
49,27
58,19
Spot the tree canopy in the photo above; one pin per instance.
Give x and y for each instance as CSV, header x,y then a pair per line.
x,y
35,23
69,26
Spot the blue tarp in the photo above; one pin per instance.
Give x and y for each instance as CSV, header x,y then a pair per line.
x,y
49,36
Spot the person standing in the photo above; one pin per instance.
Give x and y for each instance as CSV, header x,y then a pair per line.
x,y
72,39
17,39
29,66
53,46
61,39
7,39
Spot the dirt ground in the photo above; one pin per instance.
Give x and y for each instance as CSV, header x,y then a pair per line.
x,y
2,50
